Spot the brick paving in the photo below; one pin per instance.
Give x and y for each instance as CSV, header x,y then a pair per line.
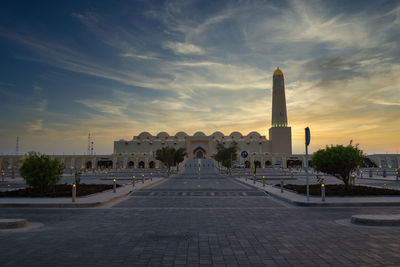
x,y
214,221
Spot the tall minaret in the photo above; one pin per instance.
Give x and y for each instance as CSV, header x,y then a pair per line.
x,y
280,135
279,115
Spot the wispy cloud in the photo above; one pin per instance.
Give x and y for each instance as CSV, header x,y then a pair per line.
x,y
184,48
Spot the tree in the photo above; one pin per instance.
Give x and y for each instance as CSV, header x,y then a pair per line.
x,y
179,155
225,154
339,161
170,156
39,170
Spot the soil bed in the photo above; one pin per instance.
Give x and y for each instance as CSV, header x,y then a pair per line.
x,y
340,190
60,190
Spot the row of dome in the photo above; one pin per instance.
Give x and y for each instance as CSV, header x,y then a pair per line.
x,y
181,135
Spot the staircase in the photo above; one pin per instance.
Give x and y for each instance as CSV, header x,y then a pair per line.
x,y
194,166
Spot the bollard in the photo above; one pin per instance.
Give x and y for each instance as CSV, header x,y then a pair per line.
x,y
281,185
254,178
384,173
370,173
323,192
353,178
263,181
133,181
142,178
73,192
397,175
2,176
114,186
361,174
151,176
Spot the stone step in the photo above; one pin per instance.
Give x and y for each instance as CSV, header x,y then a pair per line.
x,y
376,219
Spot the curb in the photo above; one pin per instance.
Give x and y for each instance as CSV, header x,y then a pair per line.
x,y
376,220
64,205
332,204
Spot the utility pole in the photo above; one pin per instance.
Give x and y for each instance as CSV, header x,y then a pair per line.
x,y
90,147
17,147
89,143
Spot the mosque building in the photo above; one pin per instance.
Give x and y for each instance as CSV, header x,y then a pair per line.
x,y
260,150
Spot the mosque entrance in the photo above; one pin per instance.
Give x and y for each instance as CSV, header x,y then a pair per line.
x,y
105,164
199,153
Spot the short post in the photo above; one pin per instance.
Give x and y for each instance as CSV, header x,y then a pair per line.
x,y
13,173
353,178
114,185
254,178
361,172
384,173
263,178
133,181
151,176
73,192
370,173
281,185
2,175
142,178
323,192
397,174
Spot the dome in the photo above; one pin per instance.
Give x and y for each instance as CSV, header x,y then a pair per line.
x,y
144,135
217,135
254,135
162,135
278,72
181,135
199,134
236,135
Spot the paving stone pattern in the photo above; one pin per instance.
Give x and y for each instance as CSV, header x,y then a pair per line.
x,y
195,228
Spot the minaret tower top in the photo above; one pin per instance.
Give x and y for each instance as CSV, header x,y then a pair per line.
x,y
279,114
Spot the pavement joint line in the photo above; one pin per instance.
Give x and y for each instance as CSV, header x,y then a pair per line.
x,y
151,184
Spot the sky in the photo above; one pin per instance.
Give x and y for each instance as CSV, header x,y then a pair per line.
x,y
117,68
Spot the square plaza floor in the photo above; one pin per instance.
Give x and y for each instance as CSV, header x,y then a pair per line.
x,y
187,221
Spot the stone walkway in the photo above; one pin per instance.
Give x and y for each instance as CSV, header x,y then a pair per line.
x,y
211,221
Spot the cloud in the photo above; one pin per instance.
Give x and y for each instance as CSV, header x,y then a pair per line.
x,y
35,126
130,55
41,105
184,48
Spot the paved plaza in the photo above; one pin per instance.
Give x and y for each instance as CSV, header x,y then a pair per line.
x,y
190,221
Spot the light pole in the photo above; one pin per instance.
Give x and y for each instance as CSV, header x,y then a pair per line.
x,y
308,137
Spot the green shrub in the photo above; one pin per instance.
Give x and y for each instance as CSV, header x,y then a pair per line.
x,y
41,171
